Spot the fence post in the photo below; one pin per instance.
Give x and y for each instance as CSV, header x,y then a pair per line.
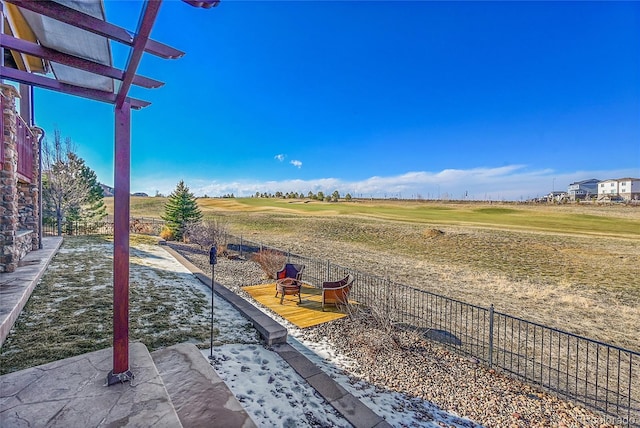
x,y
328,276
288,256
387,294
240,245
491,335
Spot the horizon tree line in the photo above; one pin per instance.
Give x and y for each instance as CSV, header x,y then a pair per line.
x,y
320,196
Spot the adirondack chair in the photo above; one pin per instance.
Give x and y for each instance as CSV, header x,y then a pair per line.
x,y
337,292
289,281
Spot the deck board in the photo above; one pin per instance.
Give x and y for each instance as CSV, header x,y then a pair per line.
x,y
306,314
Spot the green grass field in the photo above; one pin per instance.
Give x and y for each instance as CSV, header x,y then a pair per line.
x,y
613,220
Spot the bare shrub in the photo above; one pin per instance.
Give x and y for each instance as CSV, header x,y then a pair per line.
x,y
167,234
144,227
270,261
432,233
376,333
207,233
375,315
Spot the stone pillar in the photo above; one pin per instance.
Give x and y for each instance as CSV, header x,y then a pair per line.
x,y
9,180
28,193
34,190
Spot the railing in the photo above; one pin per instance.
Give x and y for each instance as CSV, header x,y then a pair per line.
x,y
145,226
24,144
24,149
599,376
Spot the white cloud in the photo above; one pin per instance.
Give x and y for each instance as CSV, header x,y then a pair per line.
x,y
280,157
513,182
296,163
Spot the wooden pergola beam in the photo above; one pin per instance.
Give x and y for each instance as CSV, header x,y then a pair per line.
x,y
67,88
97,26
147,20
40,51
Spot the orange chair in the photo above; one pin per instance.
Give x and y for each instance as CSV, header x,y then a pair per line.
x,y
337,292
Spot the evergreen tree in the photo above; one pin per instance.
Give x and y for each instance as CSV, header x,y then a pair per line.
x,y
94,208
180,210
91,208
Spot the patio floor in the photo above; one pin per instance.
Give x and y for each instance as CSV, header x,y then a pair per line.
x,y
16,287
306,314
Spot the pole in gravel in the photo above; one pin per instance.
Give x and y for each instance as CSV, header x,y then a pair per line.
x,y
213,259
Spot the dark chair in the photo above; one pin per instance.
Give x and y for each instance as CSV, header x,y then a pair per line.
x,y
337,292
291,270
289,281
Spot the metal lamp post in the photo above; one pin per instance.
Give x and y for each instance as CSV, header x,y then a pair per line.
x,y
213,259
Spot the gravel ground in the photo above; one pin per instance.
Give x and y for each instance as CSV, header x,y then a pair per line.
x,y
404,362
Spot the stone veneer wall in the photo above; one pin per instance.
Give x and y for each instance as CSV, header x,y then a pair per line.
x,y
23,244
28,209
19,208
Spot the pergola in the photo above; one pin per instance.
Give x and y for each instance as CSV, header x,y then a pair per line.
x,y
64,46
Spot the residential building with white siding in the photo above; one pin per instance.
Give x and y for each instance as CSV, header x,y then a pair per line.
x,y
621,188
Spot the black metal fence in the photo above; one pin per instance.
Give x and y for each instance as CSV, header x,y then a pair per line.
x,y
147,226
599,376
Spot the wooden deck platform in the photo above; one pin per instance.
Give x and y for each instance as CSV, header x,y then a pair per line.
x,y
306,314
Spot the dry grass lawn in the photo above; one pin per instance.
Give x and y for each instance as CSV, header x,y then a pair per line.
x,y
572,267
582,283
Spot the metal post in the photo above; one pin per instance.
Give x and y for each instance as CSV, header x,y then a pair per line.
x,y
121,372
213,254
40,203
388,295
213,284
491,335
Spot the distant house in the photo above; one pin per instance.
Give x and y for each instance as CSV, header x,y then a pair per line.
x,y
556,196
622,188
629,188
584,189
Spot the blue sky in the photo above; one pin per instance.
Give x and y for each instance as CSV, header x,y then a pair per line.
x,y
501,100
